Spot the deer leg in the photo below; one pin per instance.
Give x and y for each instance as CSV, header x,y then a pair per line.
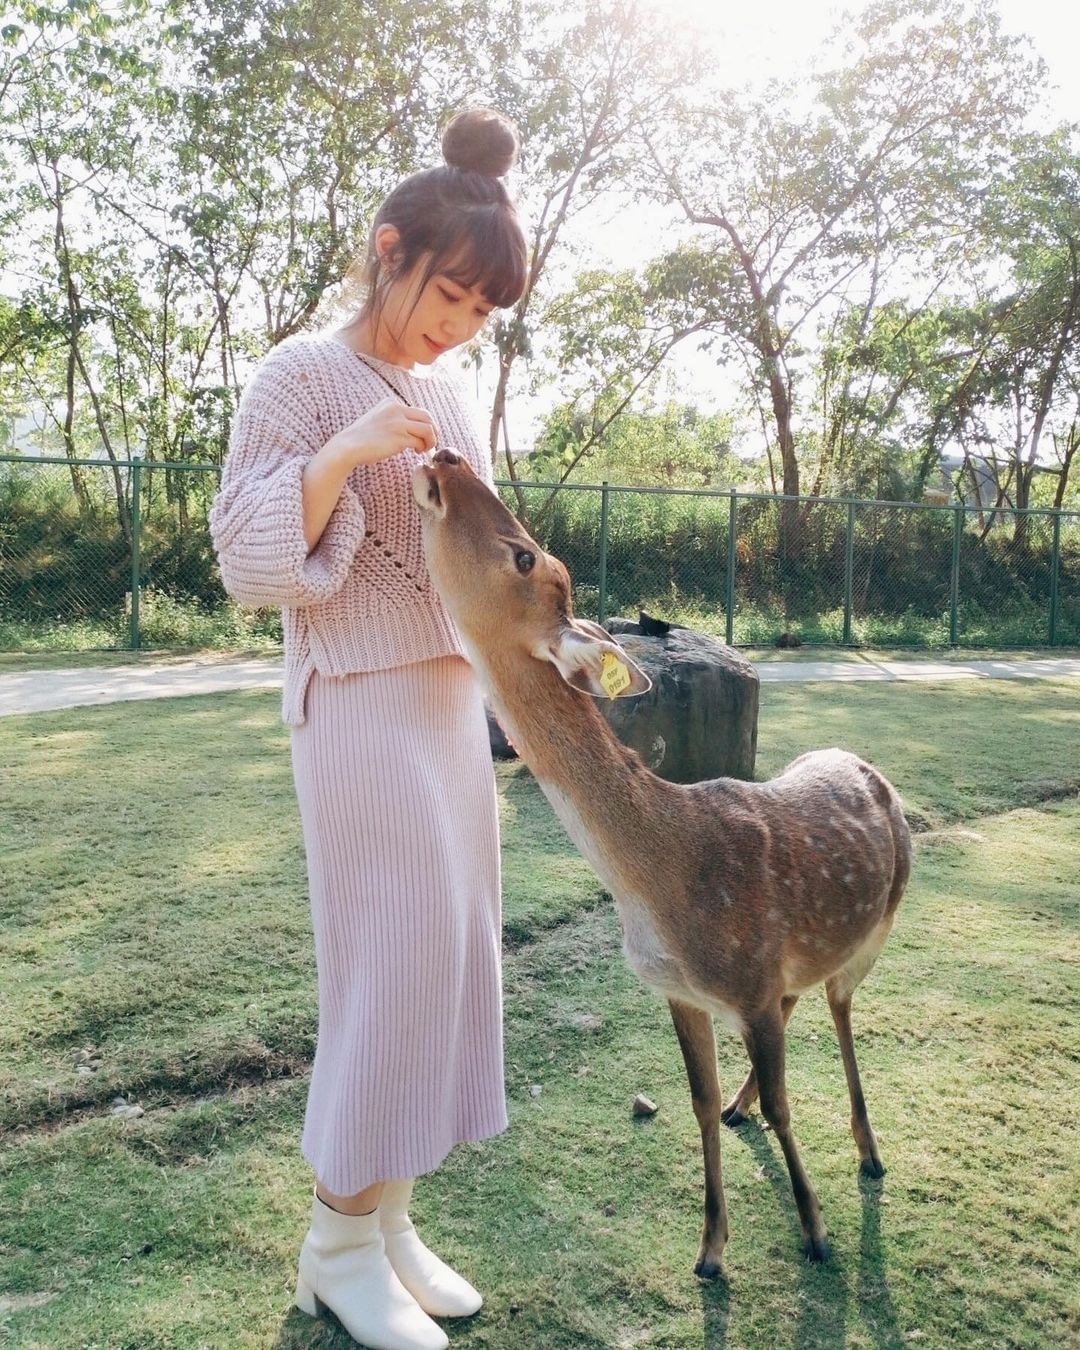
x,y
738,1109
694,1028
870,1163
765,1041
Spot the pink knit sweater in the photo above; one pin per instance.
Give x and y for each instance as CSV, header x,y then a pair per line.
x,y
362,598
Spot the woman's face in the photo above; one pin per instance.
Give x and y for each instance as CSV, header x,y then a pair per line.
x,y
424,320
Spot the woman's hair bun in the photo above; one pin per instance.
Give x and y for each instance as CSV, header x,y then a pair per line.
x,y
481,140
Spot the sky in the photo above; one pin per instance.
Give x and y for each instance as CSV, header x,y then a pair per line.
x,y
774,40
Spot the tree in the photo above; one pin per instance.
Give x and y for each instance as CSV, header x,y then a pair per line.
x,y
190,184
671,445
801,207
579,88
1032,368
997,373
609,336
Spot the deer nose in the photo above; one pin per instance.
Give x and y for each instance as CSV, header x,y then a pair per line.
x,y
446,457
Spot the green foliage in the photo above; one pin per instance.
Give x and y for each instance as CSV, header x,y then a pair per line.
x,y
190,185
674,445
180,959
668,554
65,574
65,571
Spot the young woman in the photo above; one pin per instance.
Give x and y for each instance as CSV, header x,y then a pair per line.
x,y
389,740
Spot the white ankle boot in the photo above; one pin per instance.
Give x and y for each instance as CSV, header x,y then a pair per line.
x,y
343,1267
439,1290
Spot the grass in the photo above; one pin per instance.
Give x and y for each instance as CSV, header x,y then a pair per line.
x,y
169,622
154,930
164,622
12,663
868,655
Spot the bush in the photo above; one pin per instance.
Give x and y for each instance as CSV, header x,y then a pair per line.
x,y
65,572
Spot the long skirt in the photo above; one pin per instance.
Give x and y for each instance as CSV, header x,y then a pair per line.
x,y
396,789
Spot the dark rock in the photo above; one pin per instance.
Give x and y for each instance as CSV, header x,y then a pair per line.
x,y
500,746
699,720
651,627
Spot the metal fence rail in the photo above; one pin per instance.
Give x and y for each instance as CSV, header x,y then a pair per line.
x,y
118,554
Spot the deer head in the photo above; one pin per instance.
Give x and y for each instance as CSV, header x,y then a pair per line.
x,y
504,593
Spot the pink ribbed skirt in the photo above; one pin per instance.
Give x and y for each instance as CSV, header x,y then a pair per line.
x,y
397,797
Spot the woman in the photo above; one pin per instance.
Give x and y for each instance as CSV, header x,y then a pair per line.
x,y
389,739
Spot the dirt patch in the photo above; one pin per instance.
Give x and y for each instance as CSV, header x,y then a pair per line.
x,y
16,1303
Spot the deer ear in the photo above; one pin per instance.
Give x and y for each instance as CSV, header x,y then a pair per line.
x,y
587,626
595,665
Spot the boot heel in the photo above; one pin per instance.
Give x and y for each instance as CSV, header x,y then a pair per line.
x,y
307,1300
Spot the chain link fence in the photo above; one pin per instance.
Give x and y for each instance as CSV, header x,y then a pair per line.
x,y
118,555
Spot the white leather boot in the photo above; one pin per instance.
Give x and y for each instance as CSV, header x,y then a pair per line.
x,y
343,1267
439,1290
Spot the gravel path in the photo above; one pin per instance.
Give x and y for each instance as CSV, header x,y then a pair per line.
x,y
33,691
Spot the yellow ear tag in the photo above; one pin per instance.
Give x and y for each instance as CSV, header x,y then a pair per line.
x,y
613,675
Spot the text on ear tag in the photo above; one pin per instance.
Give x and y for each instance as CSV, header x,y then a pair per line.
x,y
613,675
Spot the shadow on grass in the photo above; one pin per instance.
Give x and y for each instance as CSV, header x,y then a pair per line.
x,y
715,1313
875,1297
823,1290
298,1331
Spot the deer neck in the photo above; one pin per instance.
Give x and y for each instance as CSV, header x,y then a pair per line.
x,y
618,813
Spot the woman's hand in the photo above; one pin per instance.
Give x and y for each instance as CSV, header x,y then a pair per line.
x,y
390,427
387,429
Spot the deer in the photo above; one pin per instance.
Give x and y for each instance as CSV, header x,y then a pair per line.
x,y
734,897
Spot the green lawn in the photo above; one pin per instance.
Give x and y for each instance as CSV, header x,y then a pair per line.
x,y
18,662
154,931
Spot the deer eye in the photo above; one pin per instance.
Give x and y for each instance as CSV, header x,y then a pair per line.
x,y
524,560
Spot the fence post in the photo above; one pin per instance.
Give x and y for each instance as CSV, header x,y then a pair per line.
x,y
602,603
849,571
1055,557
954,589
136,539
729,601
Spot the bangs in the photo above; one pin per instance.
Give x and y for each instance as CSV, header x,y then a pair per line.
x,y
490,254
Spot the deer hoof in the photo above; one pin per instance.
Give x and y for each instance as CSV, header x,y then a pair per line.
x,y
709,1268
817,1249
872,1167
733,1117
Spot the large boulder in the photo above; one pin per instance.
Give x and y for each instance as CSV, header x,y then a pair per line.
x,y
699,719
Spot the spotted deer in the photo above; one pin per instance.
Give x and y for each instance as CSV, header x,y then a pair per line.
x,y
734,897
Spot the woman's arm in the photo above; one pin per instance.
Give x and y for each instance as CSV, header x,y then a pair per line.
x,y
282,539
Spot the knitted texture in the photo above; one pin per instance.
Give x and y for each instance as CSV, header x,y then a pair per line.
x,y
362,598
